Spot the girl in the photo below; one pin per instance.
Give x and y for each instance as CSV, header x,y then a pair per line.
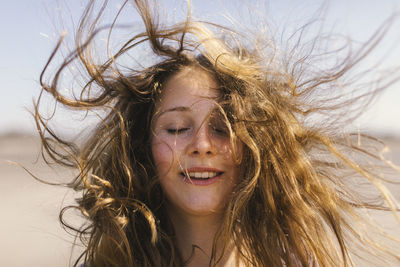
x,y
209,156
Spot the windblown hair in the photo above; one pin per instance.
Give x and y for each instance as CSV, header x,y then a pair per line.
x,y
297,203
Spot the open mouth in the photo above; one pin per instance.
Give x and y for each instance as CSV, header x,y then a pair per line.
x,y
201,175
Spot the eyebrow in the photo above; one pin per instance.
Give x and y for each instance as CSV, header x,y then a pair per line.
x,y
179,108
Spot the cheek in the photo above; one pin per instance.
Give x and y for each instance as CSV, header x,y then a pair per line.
x,y
164,155
234,154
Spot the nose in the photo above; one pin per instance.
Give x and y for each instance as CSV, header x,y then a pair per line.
x,y
202,144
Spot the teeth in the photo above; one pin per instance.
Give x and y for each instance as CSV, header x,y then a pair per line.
x,y
202,175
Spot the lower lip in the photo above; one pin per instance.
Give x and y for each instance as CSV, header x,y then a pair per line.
x,y
201,181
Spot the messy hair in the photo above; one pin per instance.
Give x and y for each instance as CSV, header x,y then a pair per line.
x,y
297,202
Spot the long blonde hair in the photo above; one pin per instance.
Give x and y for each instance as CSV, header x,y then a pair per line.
x,y
295,204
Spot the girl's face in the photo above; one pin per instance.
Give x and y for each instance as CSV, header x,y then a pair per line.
x,y
191,145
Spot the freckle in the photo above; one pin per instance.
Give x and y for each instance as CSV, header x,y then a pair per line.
x,y
226,151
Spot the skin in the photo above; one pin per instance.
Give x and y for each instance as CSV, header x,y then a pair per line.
x,y
189,136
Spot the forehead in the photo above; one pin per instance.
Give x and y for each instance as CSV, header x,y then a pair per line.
x,y
187,87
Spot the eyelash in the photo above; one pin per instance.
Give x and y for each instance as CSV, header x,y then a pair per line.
x,y
219,130
177,131
215,128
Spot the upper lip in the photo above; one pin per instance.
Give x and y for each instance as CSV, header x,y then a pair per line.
x,y
202,169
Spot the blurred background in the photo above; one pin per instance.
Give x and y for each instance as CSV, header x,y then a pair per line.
x,y
30,233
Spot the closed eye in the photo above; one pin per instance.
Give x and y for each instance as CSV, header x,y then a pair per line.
x,y
220,130
177,131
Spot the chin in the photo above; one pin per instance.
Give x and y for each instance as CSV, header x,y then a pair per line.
x,y
203,209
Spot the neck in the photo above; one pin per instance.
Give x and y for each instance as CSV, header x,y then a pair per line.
x,y
195,236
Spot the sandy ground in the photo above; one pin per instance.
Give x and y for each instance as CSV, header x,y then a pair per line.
x,y
31,234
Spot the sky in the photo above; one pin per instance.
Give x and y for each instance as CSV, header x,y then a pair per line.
x,y
30,29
